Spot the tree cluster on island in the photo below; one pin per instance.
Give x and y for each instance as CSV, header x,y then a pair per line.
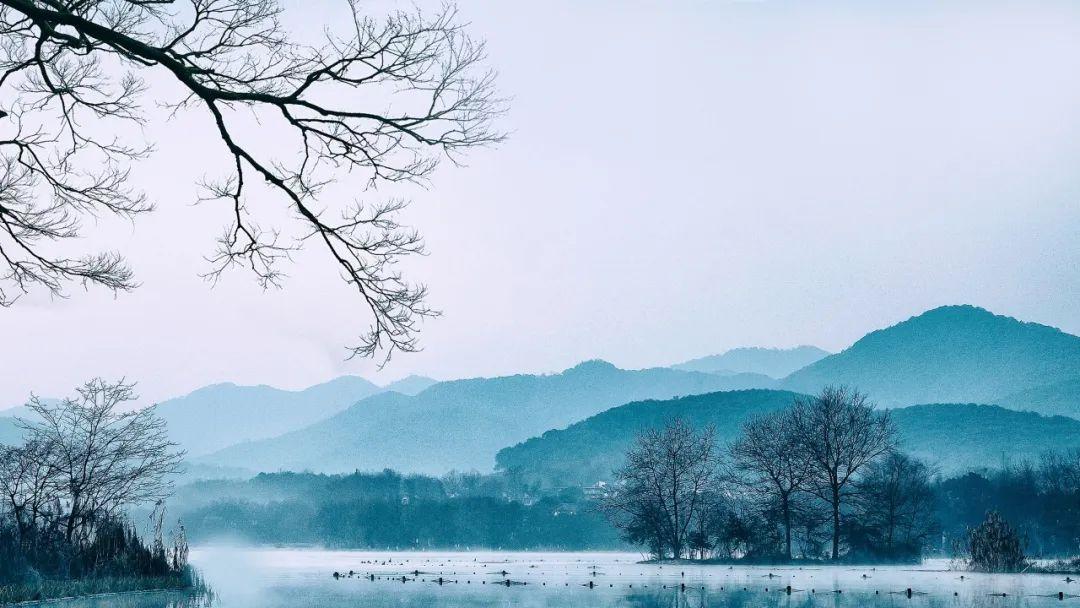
x,y
822,480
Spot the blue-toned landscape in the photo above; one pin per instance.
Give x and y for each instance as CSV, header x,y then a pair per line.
x,y
739,303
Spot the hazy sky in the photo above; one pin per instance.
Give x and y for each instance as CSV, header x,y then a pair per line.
x,y
682,178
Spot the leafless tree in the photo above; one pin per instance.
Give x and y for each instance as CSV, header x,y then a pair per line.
x,y
895,505
665,486
1059,471
26,485
841,433
101,458
384,98
771,464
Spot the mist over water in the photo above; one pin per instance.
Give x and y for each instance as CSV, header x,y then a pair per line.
x,y
250,578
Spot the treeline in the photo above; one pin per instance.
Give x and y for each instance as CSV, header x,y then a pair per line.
x,y
825,474
825,479
1040,500
64,492
459,523
390,510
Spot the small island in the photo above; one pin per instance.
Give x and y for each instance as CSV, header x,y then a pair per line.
x,y
821,482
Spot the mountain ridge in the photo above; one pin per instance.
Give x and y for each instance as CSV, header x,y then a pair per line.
x,y
463,423
1059,398
591,449
773,362
244,413
958,353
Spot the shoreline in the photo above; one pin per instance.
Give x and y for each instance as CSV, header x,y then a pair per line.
x,y
64,590
66,598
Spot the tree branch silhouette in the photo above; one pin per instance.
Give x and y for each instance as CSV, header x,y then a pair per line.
x,y
72,67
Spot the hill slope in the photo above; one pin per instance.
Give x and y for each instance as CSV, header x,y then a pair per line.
x,y
1060,398
9,433
950,354
955,437
220,415
773,362
965,436
462,424
410,385
591,449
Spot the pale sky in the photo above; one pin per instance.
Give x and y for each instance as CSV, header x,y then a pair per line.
x,y
681,178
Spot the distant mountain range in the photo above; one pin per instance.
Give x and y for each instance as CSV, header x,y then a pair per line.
x,y
461,424
954,354
947,355
953,437
773,362
220,415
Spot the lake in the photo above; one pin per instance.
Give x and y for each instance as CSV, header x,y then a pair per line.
x,y
296,578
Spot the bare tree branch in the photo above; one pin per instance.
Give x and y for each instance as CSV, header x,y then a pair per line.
x,y
67,63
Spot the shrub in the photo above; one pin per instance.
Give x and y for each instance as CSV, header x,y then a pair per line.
x,y
995,546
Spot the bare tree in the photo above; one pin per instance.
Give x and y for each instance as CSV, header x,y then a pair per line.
x,y
665,486
841,433
101,458
1059,471
895,506
771,464
26,484
384,98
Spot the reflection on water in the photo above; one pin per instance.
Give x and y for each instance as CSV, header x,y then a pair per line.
x,y
154,599
304,578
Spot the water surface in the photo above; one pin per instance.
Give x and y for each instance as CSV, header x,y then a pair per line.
x,y
294,578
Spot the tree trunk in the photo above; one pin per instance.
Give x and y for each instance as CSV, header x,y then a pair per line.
x,y
70,532
787,527
836,524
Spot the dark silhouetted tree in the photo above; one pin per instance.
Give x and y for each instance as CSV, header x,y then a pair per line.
x,y
894,507
772,465
841,434
101,458
666,484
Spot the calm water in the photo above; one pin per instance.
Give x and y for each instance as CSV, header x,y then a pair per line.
x,y
258,578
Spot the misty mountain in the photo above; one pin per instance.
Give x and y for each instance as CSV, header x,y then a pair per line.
x,y
9,433
953,437
952,354
963,436
1060,398
461,424
20,411
591,449
410,385
773,362
220,415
